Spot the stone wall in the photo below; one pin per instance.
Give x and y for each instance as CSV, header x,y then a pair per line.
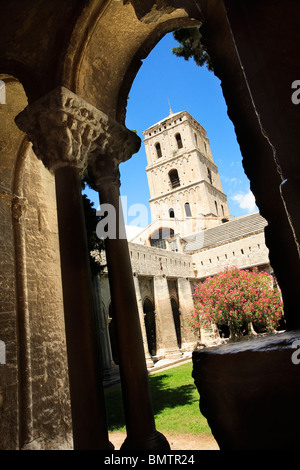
x,y
34,397
244,253
50,395
154,261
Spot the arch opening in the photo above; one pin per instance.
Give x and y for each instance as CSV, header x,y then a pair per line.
x,y
150,325
177,322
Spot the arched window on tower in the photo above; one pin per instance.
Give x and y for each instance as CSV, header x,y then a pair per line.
x,y
209,175
158,150
171,213
187,209
217,211
159,238
174,178
178,140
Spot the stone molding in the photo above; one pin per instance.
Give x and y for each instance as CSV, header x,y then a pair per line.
x,y
66,130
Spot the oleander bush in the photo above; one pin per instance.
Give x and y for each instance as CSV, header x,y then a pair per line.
x,y
239,299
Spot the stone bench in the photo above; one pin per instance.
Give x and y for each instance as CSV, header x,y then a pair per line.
x,y
250,392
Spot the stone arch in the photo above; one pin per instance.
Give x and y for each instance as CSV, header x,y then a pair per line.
x,y
150,325
177,321
158,237
113,334
83,69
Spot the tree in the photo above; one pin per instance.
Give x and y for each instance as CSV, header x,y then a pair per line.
x,y
91,221
238,299
191,47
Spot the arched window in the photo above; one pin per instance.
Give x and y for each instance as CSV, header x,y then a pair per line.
x,y
177,322
158,150
150,326
209,175
187,209
171,213
216,207
174,178
113,335
159,237
178,140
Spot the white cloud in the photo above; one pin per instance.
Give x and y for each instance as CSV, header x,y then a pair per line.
x,y
231,181
132,231
245,201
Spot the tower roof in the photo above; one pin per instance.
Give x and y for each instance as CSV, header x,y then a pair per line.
x,y
175,116
162,121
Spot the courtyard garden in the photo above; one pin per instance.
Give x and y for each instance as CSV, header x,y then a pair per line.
x,y
175,403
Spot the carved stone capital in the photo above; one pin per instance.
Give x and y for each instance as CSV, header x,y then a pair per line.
x,y
108,151
62,127
66,130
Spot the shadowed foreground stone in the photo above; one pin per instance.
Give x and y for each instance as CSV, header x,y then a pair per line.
x,y
249,392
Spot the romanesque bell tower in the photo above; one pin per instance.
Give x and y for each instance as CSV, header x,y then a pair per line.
x,y
183,179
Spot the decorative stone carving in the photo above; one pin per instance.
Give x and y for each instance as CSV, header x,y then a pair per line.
x,y
61,127
107,152
66,130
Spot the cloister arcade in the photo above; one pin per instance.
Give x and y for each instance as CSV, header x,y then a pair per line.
x,y
68,67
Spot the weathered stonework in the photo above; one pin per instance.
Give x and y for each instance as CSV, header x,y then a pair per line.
x,y
62,128
95,49
179,144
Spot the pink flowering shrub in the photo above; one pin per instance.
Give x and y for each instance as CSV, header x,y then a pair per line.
x,y
237,298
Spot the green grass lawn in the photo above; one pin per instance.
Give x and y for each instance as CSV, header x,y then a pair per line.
x,y
175,402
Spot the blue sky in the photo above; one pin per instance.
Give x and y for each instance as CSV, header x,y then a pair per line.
x,y
165,78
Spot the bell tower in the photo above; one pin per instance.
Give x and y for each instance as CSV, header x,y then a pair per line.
x,y
183,179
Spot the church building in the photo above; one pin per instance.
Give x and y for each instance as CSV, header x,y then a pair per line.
x,y
191,236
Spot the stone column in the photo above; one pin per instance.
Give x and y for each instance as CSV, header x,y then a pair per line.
x,y
61,127
149,361
165,318
103,170
19,210
102,330
186,305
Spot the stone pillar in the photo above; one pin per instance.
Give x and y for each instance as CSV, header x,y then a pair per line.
x,y
102,330
149,361
275,108
186,305
61,127
19,209
103,169
236,35
165,318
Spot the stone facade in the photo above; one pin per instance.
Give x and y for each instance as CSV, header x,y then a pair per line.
x,y
91,52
